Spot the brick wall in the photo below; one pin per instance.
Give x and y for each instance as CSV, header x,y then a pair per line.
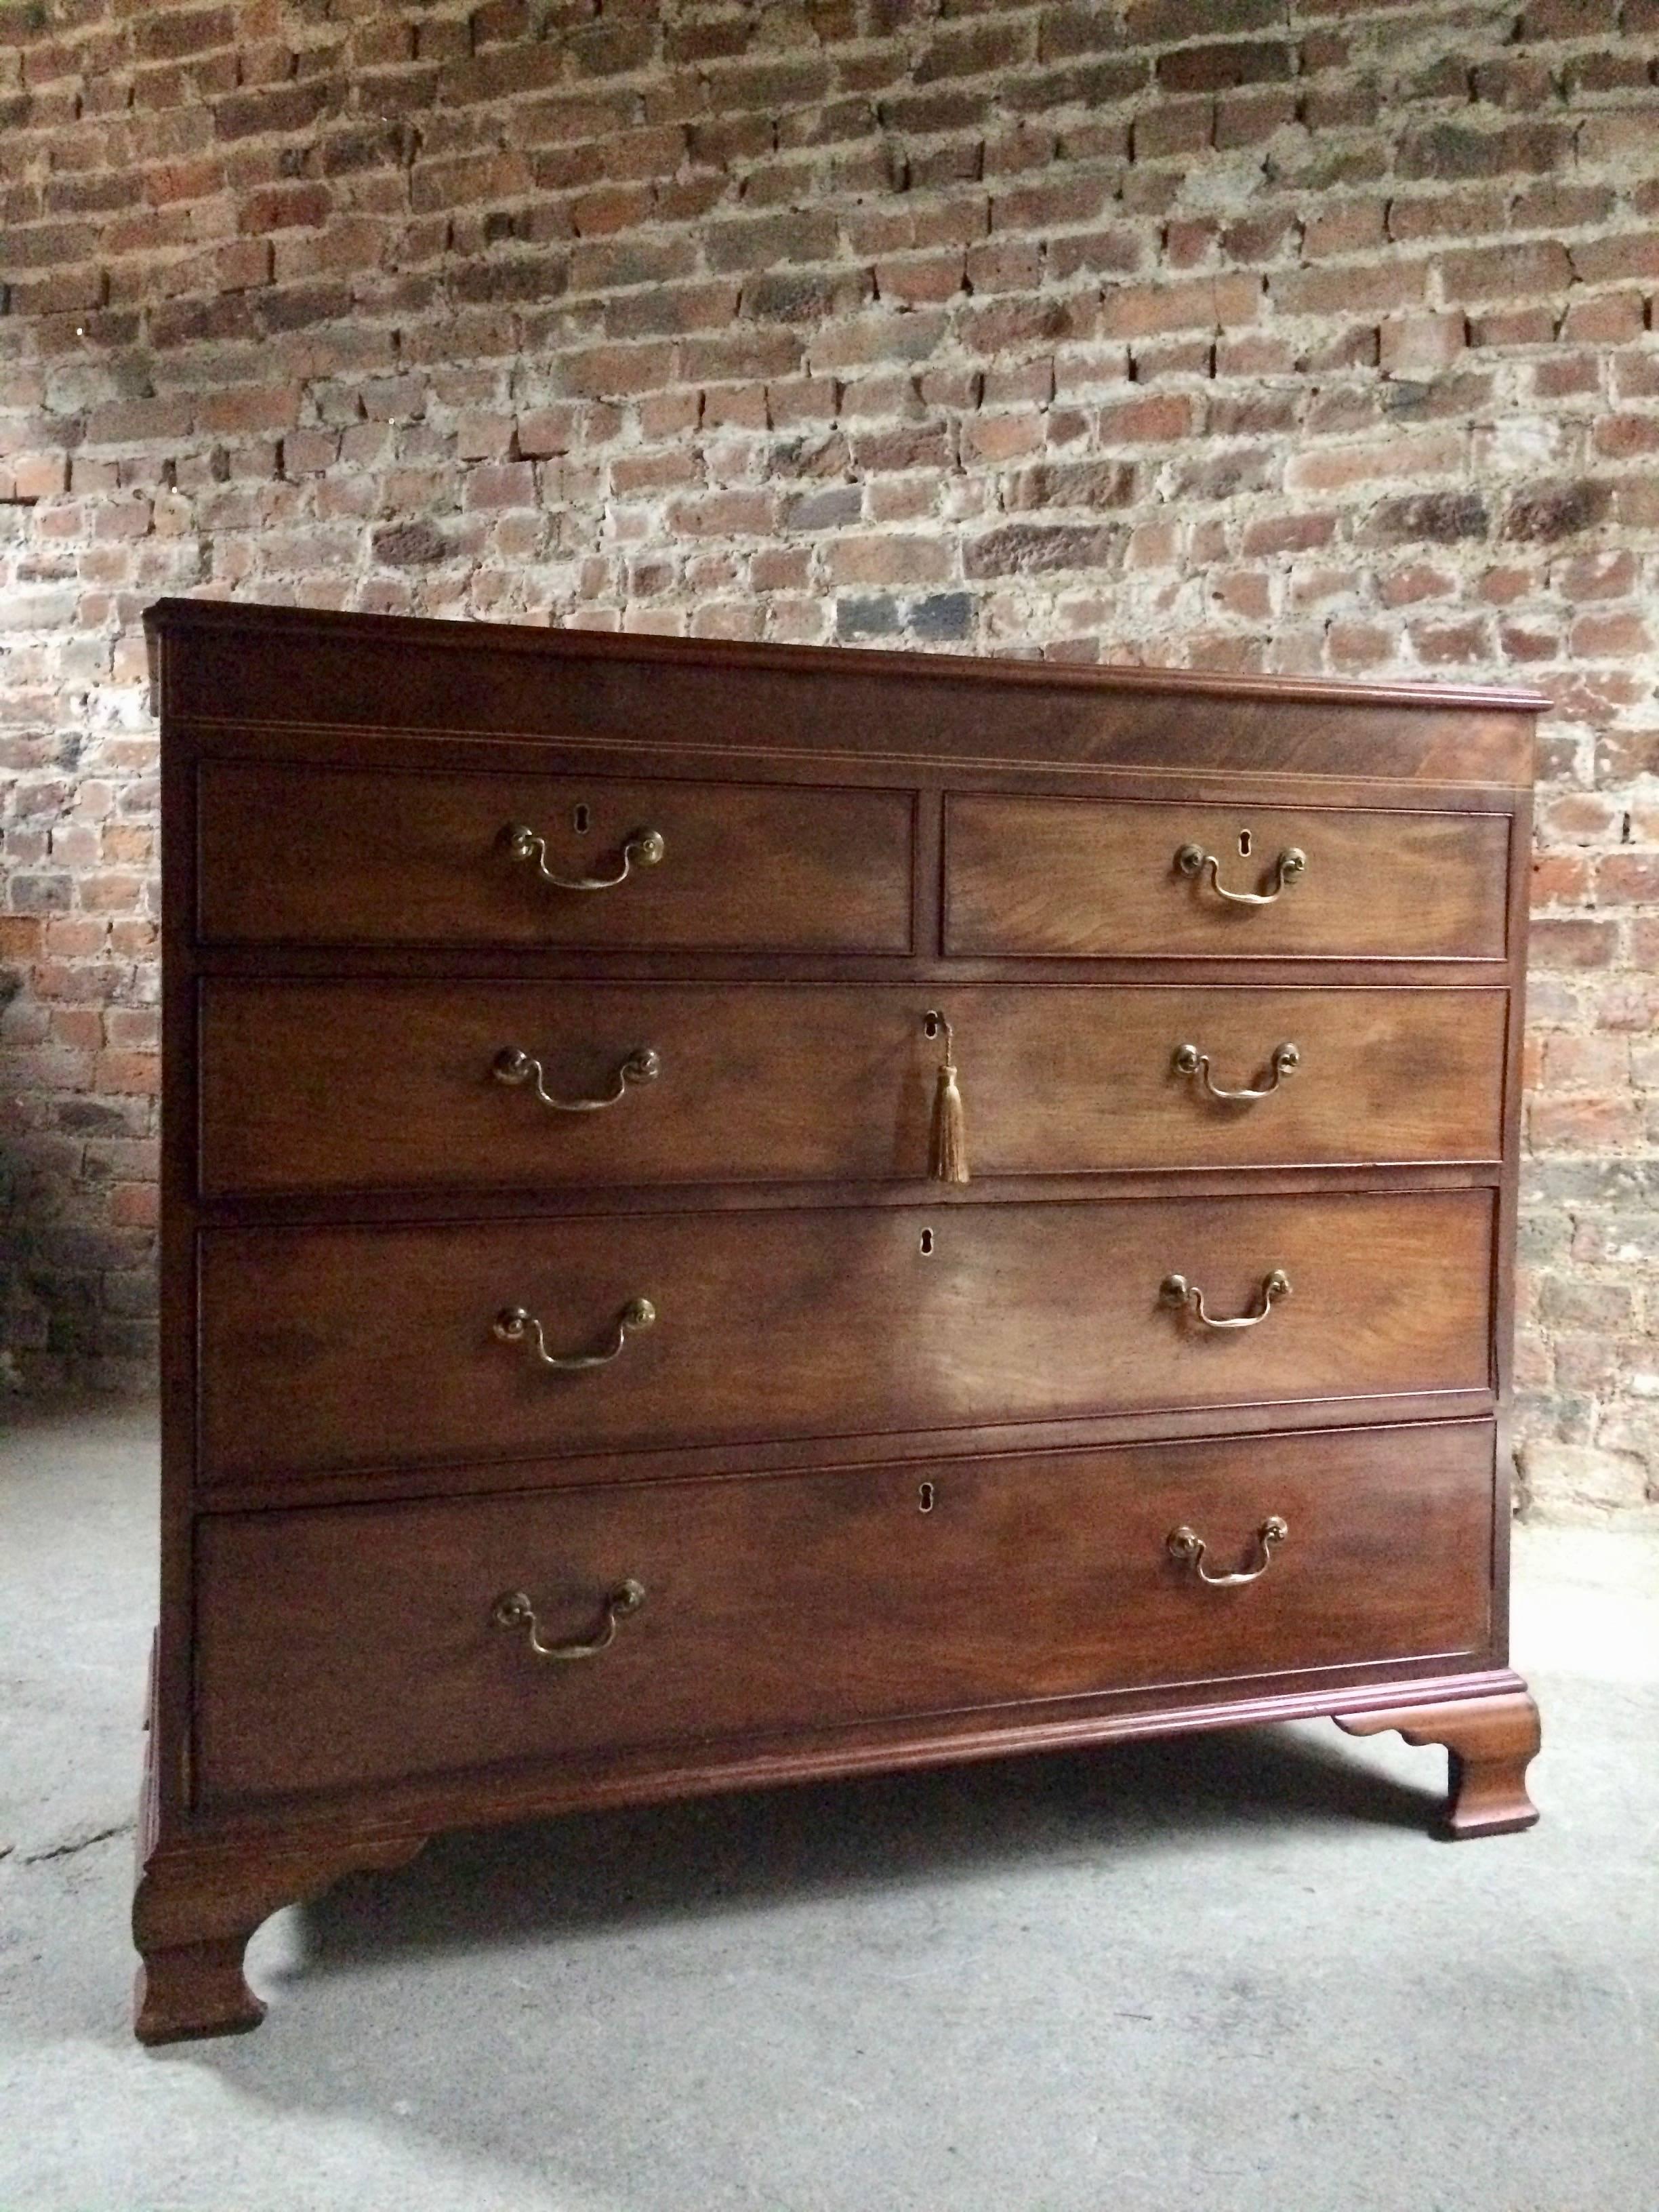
x,y
1280,335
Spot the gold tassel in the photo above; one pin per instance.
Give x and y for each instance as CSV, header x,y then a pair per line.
x,y
948,1160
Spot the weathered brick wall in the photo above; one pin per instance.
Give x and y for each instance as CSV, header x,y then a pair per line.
x,y
1281,334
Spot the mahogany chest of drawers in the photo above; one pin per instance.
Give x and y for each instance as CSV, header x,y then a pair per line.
x,y
736,1213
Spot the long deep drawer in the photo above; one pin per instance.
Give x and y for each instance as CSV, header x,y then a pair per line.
x,y
372,1085
331,1348
390,857
364,1645
1064,876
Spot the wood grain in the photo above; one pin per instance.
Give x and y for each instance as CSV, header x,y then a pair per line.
x,y
1072,877
365,1084
375,673
370,857
356,1644
353,1466
1490,1743
330,1348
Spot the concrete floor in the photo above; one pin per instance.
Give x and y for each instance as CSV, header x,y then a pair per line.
x,y
1232,1971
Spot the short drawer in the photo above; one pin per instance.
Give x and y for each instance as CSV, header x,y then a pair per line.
x,y
1064,877
341,1348
368,1645
342,856
484,1083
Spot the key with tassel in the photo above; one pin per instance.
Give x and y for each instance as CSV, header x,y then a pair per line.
x,y
948,1154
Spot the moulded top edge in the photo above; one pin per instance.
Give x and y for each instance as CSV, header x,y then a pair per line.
x,y
181,614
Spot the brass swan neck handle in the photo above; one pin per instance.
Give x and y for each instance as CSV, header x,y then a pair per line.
x,y
516,1068
641,848
514,1609
516,1325
1175,1290
1188,1546
1189,1060
1193,861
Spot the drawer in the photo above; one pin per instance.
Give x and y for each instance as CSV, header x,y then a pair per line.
x,y
372,858
359,1644
334,1348
372,1085
1063,877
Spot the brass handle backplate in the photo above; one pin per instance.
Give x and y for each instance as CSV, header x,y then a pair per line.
x,y
516,1068
514,1610
515,1325
641,848
1193,861
1188,1545
1175,1290
1189,1060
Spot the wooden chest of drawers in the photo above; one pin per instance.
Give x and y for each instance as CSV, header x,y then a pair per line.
x,y
736,1213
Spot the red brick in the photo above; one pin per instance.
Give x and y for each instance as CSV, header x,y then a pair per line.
x,y
1578,943
1516,326
249,408
1250,118
1579,1125
1212,68
1157,418
1508,272
167,35
1182,127
1348,227
1370,288
605,370
996,438
1626,437
1570,19
1208,303
692,333
1627,880
28,476
1405,455
1630,254
889,561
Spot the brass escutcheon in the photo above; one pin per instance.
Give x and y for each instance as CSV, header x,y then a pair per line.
x,y
1189,1060
514,1609
1188,1546
517,1325
1175,1290
516,1068
641,848
1193,861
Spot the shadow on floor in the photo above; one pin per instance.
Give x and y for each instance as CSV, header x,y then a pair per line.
x,y
611,1872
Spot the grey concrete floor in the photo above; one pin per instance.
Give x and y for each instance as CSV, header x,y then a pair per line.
x,y
1231,1971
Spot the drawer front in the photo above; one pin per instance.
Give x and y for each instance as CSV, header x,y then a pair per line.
x,y
315,855
1061,877
364,1086
358,1644
329,1349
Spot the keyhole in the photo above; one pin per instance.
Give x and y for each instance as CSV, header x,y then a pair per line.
x,y
925,1497
1245,843
926,1240
579,821
930,1026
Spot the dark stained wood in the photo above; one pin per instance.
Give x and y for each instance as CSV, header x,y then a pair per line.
x,y
338,1205
373,858
192,1915
1490,1743
330,1348
365,1084
374,673
1045,876
357,1645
